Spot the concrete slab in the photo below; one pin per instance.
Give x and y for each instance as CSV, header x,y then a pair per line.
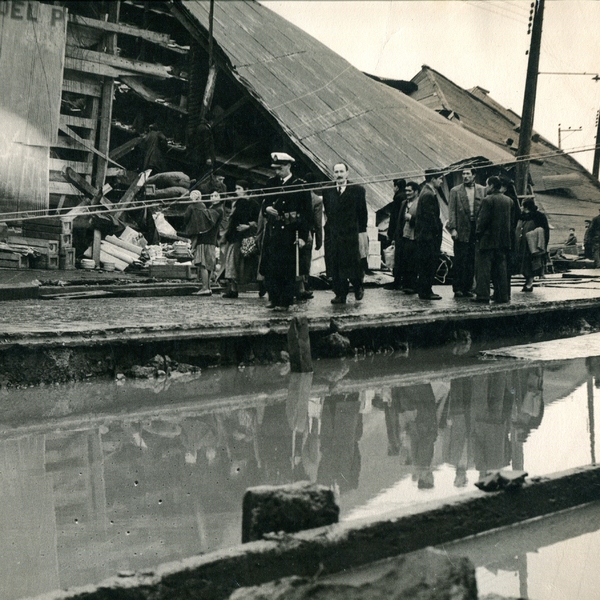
x,y
564,349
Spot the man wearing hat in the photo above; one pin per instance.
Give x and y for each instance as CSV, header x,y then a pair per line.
x,y
428,234
287,209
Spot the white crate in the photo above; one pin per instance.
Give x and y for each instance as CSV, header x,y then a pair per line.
x,y
374,261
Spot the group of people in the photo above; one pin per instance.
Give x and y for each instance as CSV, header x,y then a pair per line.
x,y
493,236
269,235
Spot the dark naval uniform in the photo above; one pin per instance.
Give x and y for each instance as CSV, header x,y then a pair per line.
x,y
294,214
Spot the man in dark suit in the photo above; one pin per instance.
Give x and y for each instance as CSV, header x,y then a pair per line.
x,y
428,233
287,210
465,200
494,239
345,206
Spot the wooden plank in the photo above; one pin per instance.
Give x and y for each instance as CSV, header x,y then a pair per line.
x,y
68,142
145,34
63,188
80,183
58,164
96,246
91,134
119,62
93,68
78,121
125,148
80,87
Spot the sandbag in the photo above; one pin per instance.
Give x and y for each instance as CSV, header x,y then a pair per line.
x,y
169,179
170,192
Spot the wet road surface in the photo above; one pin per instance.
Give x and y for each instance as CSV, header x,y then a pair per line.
x,y
102,477
189,311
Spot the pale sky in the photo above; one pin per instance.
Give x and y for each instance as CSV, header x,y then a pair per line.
x,y
472,43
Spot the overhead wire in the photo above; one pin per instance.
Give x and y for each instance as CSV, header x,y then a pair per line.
x,y
101,209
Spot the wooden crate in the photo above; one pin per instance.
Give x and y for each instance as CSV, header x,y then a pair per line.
x,y
49,224
174,271
13,260
42,246
65,240
45,262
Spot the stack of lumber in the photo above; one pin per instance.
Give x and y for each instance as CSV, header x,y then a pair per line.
x,y
13,260
52,240
117,251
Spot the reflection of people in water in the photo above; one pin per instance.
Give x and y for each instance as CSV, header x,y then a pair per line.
x,y
457,447
491,406
528,409
304,418
422,429
341,430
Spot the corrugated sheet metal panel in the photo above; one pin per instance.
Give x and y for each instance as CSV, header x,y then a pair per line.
x,y
32,39
485,117
330,110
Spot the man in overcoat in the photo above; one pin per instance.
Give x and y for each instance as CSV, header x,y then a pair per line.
x,y
465,200
345,207
428,234
494,239
287,210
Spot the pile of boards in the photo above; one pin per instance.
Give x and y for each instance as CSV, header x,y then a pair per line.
x,y
117,251
44,243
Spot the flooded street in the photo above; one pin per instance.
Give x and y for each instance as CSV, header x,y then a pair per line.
x,y
98,478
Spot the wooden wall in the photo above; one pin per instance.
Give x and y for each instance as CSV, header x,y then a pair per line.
x,y
32,45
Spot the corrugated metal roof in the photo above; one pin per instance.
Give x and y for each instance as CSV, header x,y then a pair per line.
x,y
484,116
330,110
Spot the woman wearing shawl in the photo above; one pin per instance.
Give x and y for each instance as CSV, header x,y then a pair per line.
x,y
202,220
532,236
240,269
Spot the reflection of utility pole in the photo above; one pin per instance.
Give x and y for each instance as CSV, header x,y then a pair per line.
x,y
590,395
597,150
529,100
567,130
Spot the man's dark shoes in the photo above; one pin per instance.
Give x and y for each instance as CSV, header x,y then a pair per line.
x,y
468,295
408,291
527,289
430,297
271,305
459,294
338,300
359,294
391,286
230,294
480,300
305,295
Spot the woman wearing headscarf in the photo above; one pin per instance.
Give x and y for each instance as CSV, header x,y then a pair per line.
x,y
532,235
240,267
202,219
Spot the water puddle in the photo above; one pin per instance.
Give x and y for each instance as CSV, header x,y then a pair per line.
x,y
103,477
553,558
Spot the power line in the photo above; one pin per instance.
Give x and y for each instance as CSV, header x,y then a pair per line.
x,y
267,192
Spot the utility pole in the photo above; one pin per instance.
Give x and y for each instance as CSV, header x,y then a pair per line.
x,y
597,149
568,130
529,100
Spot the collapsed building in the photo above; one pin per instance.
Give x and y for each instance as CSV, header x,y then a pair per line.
x,y
564,189
92,80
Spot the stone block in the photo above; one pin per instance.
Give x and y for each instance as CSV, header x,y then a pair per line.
x,y
286,508
426,575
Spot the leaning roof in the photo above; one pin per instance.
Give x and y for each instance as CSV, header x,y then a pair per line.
x,y
554,173
330,110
